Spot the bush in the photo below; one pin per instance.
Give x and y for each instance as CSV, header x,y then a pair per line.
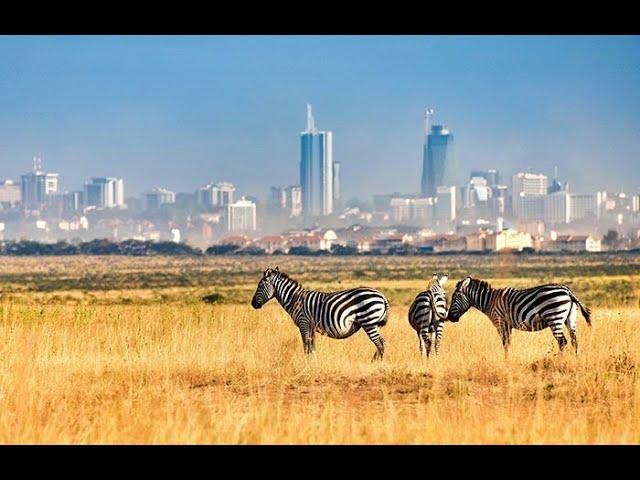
x,y
221,249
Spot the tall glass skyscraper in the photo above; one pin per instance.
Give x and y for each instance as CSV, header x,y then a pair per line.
x,y
438,166
316,169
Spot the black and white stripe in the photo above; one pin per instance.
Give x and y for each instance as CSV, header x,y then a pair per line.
x,y
336,314
546,306
427,314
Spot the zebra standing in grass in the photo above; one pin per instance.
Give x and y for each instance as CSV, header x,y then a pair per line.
x,y
533,309
427,314
336,314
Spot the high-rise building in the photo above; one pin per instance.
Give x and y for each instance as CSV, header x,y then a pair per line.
x,y
529,207
445,203
241,216
492,176
286,200
37,185
293,200
225,193
557,207
215,194
277,199
73,202
438,165
316,169
9,193
104,192
528,185
401,209
337,186
635,203
158,197
582,205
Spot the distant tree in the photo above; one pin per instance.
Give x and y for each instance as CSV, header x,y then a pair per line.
x,y
302,250
344,250
221,249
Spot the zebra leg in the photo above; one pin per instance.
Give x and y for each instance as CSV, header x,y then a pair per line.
x,y
556,329
307,340
570,323
373,332
438,337
423,341
505,336
574,339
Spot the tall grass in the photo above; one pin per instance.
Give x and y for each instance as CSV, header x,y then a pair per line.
x,y
195,373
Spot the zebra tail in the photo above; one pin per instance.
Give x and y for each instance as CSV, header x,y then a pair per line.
x,y
586,312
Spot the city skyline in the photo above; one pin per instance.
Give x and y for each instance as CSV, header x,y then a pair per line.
x,y
186,108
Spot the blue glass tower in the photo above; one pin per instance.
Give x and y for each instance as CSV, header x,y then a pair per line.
x,y
316,169
438,167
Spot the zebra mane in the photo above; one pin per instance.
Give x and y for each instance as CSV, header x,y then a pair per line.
x,y
481,284
287,277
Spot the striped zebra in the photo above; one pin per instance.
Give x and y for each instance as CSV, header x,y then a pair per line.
x,y
427,314
545,306
336,314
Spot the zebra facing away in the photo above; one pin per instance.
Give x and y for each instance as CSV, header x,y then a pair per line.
x,y
427,314
533,309
336,314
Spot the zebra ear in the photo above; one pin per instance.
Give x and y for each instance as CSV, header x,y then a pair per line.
x,y
443,280
465,282
277,269
434,276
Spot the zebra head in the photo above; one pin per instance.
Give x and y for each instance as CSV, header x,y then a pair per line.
x,y
266,289
460,301
436,286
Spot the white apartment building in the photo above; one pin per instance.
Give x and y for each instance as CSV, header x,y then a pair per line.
x,y
241,216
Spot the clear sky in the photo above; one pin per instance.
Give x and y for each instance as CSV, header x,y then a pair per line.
x,y
179,112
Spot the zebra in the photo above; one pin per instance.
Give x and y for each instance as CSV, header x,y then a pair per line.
x,y
427,314
336,314
533,309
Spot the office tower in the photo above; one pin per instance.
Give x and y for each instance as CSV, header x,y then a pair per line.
x,y
582,205
158,197
557,207
401,210
423,209
492,176
498,200
9,193
336,185
445,203
73,202
207,195
241,216
37,185
277,199
438,165
104,192
528,207
224,191
316,169
528,184
635,203
293,200
555,186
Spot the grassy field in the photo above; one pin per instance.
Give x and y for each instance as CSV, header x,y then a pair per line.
x,y
123,350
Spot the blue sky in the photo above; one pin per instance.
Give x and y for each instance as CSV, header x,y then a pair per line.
x,y
181,111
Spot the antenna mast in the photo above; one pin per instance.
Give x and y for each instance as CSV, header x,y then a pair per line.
x,y
427,117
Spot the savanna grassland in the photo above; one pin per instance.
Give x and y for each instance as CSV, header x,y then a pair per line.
x,y
124,350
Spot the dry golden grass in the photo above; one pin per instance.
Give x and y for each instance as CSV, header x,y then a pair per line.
x,y
180,373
